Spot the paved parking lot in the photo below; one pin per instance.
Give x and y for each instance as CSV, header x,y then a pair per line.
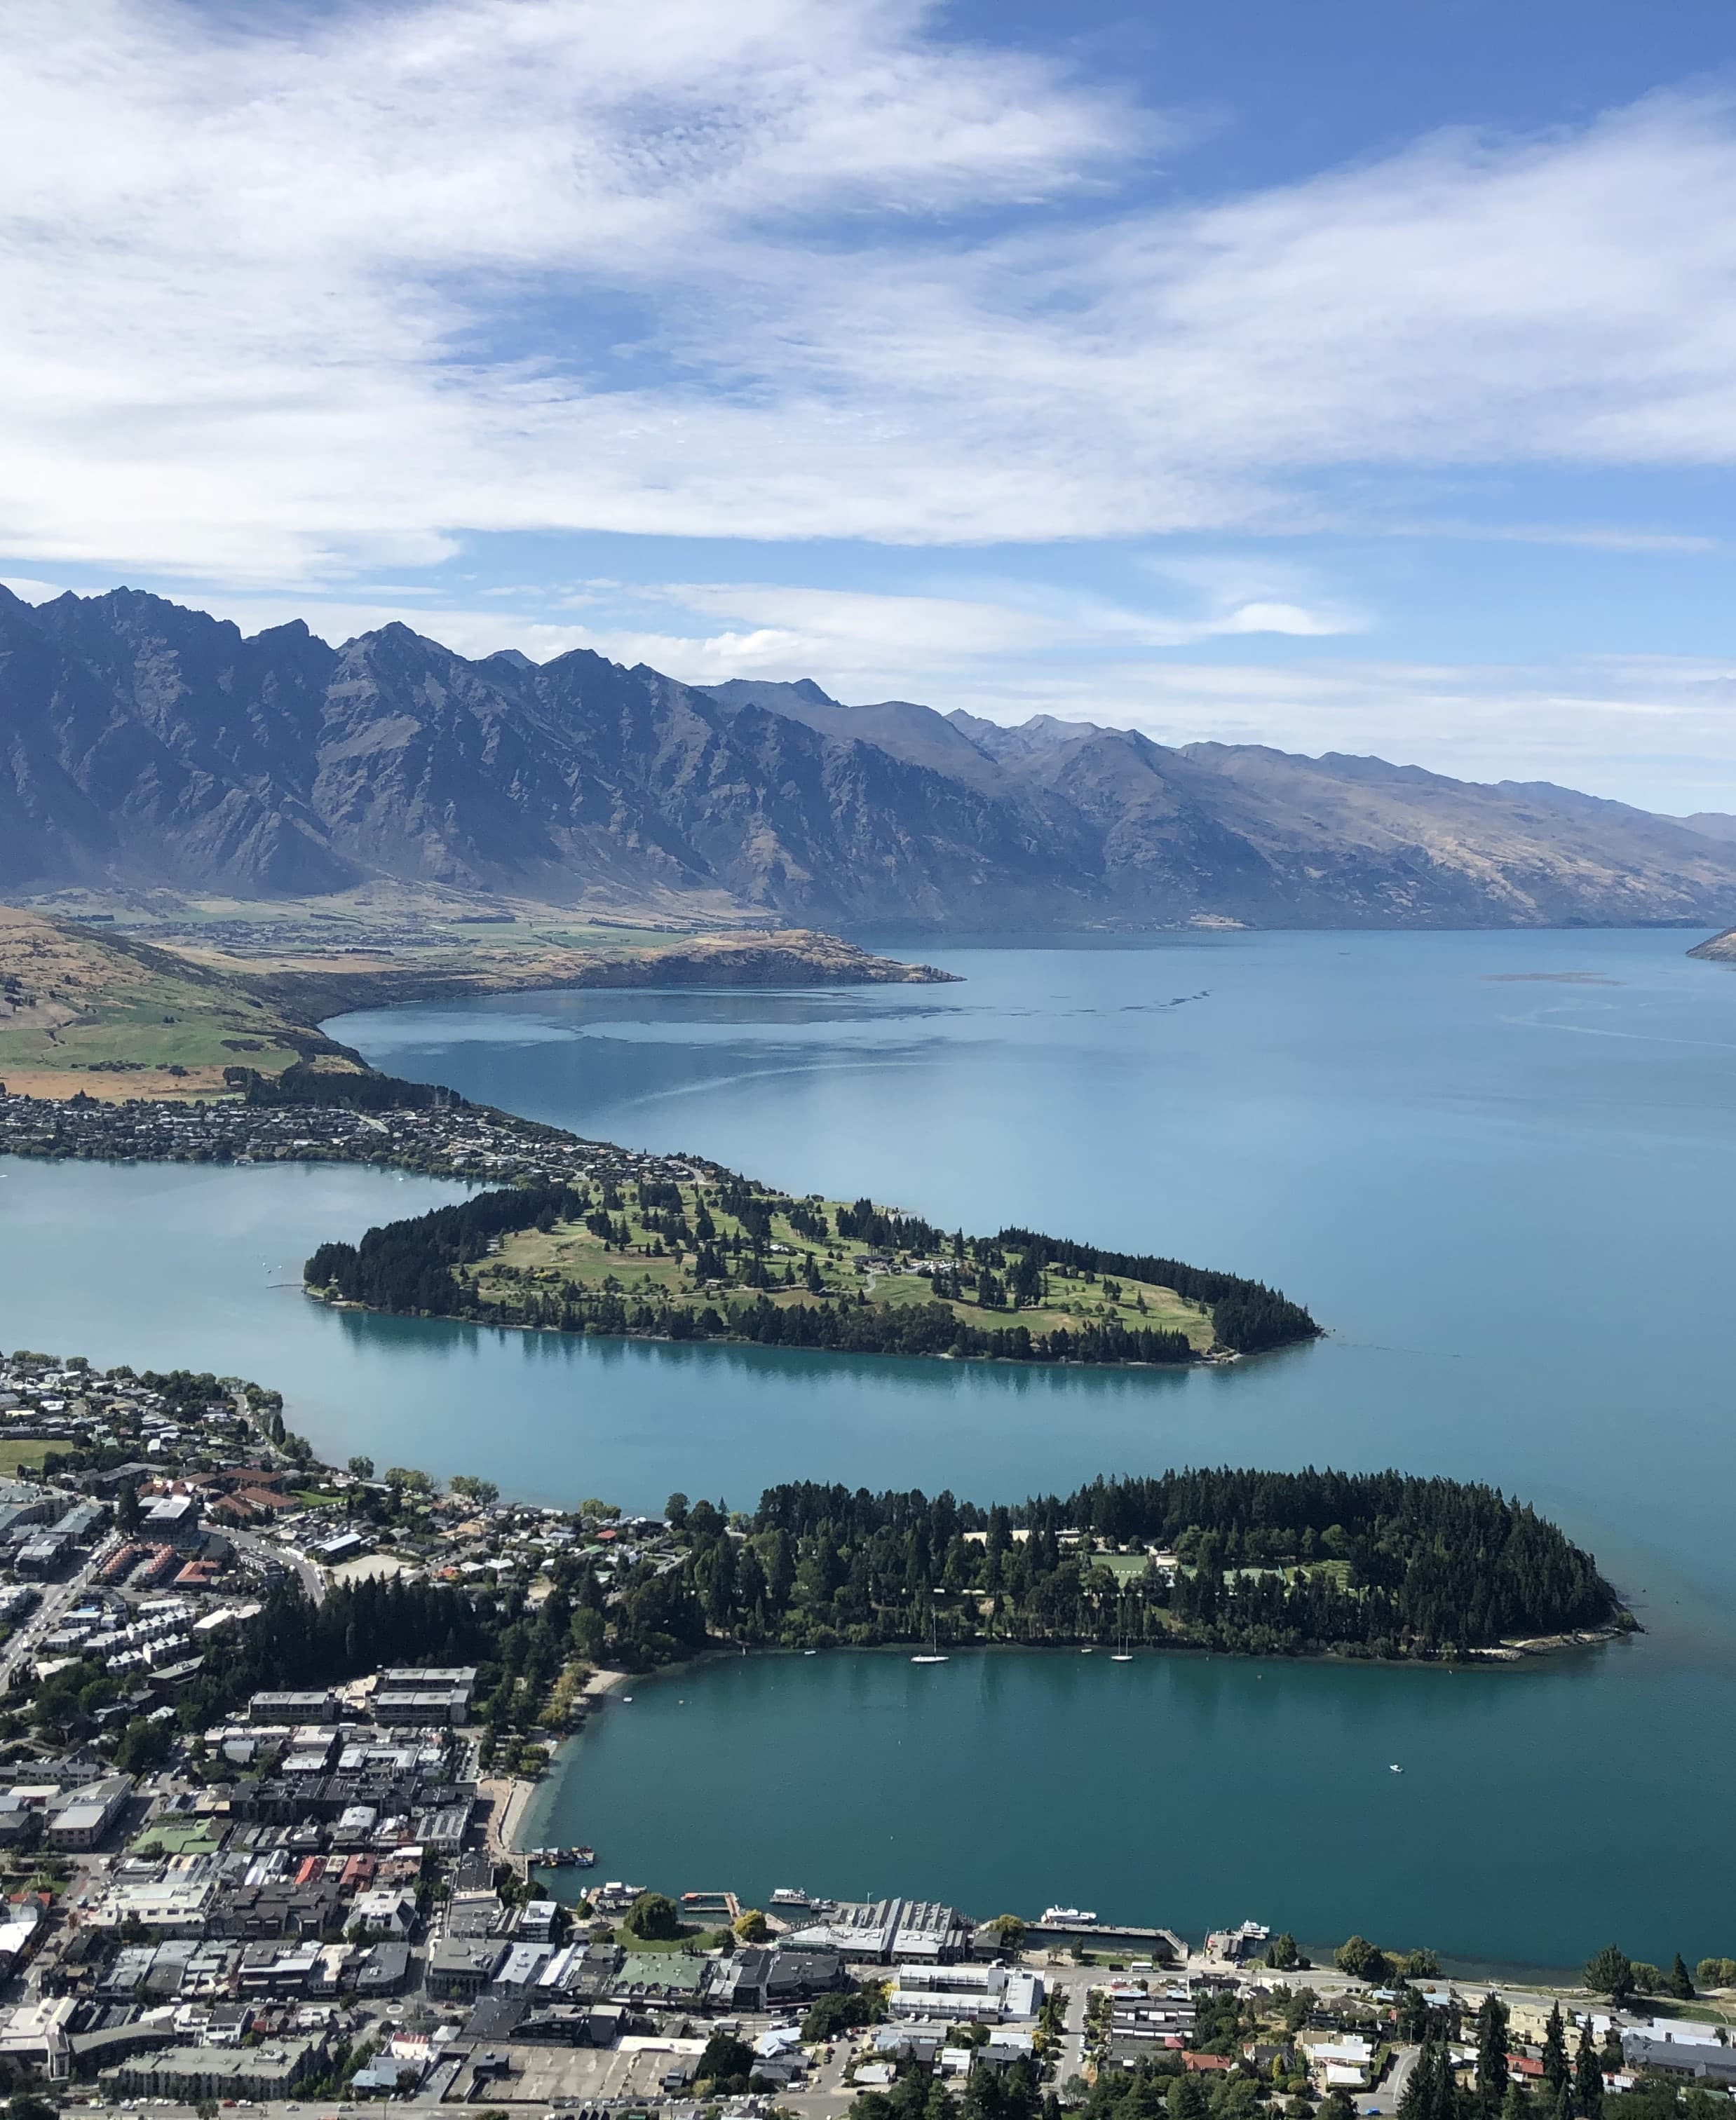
x,y
545,2074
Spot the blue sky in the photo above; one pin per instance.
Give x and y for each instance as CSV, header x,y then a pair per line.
x,y
1335,374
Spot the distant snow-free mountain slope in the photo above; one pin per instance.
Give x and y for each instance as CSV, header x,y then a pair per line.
x,y
147,744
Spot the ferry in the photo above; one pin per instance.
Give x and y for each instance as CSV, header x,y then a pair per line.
x,y
790,1895
1067,1914
563,1858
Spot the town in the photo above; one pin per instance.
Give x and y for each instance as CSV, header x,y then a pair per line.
x,y
440,1136
224,1892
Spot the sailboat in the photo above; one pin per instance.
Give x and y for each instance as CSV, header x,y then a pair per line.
x,y
934,1655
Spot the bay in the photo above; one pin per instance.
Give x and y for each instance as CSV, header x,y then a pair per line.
x,y
1496,1167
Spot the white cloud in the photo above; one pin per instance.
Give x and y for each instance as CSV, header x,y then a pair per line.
x,y
282,306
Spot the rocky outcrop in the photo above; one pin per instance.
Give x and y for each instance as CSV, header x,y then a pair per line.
x,y
146,745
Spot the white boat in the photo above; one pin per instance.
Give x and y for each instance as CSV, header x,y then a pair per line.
x,y
1121,1656
1078,1914
790,1895
928,1659
1395,1770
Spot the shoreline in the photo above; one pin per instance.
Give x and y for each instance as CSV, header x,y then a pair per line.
x,y
1218,1359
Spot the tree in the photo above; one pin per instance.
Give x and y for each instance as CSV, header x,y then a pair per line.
x,y
1281,1954
127,1513
1715,1972
1491,2056
1588,2077
143,1745
1298,2008
406,1479
1555,2052
726,2062
750,1925
605,1512
1360,1959
1009,1931
1611,1973
361,1468
654,1917
675,1511
1678,1981
483,1493
841,2009
1337,2106
1187,2100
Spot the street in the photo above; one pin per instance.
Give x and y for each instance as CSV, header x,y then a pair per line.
x,y
57,1597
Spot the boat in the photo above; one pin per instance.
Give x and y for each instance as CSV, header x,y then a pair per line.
x,y
1121,1656
583,1858
1395,1770
933,1654
790,1895
1075,1914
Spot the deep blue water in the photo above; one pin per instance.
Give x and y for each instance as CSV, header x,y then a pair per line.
x,y
1498,1167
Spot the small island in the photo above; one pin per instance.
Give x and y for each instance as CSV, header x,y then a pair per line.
x,y
720,1257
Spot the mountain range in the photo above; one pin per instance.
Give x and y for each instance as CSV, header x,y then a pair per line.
x,y
149,745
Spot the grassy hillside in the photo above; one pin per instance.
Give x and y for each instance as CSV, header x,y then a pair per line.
x,y
83,1011
652,1254
726,1258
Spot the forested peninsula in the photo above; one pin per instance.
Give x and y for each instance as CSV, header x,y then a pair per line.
x,y
719,1258
1270,1563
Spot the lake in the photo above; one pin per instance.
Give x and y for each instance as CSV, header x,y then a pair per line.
x,y
1498,1168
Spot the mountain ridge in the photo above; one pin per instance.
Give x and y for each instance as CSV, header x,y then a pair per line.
x,y
147,745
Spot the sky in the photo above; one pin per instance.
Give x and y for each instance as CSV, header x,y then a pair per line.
x,y
1331,374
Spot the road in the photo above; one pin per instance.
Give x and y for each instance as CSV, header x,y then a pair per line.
x,y
57,1597
312,1578
1070,2061
1386,2098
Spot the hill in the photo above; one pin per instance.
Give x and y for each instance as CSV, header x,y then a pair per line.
x,y
113,1017
152,746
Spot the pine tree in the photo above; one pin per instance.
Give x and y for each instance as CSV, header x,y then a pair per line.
x,y
1491,2056
1588,2077
1555,2052
1611,1973
1680,1982
1415,2101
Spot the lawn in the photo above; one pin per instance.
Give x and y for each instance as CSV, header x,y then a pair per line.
x,y
73,1003
570,1252
22,1454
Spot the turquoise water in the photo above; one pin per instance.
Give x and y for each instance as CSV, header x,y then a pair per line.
x,y
1541,1811
1498,1168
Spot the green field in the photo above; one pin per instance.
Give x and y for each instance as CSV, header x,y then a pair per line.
x,y
666,1255
22,1454
81,1009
